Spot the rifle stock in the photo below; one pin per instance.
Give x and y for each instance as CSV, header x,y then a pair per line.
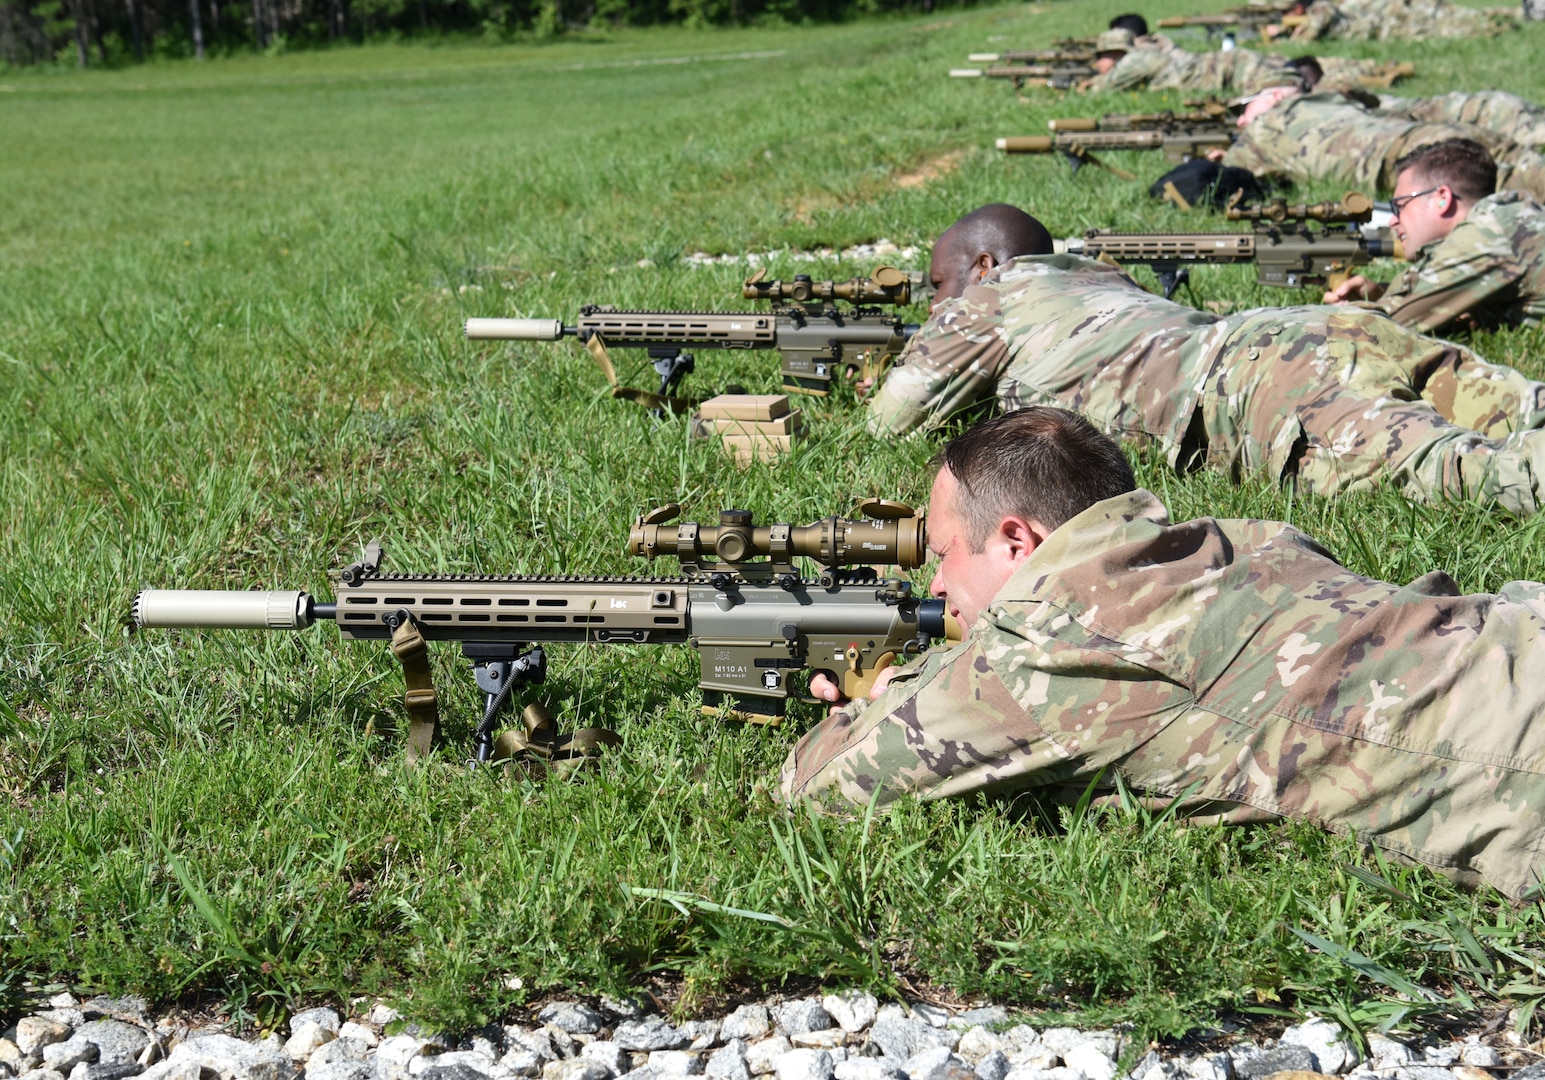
x,y
740,601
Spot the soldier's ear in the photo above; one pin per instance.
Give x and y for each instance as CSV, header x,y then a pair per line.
x,y
1020,537
981,266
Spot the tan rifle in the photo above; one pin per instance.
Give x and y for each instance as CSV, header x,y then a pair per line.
x,y
741,600
1286,252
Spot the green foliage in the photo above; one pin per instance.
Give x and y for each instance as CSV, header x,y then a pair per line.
x,y
230,354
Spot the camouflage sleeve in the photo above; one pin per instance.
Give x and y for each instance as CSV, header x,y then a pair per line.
x,y
1460,274
1137,68
951,364
947,727
1246,154
1317,20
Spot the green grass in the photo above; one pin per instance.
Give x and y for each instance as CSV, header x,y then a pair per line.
x,y
230,354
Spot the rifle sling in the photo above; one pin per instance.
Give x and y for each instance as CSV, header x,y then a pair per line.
x,y
537,738
419,695
603,359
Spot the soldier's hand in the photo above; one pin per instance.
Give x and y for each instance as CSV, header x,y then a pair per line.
x,y
1355,287
823,685
1216,153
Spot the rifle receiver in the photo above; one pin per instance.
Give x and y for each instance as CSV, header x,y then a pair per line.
x,y
514,330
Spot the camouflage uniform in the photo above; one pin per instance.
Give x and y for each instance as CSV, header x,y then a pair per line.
x,y
1336,398
1237,71
1396,20
1329,136
1236,664
1508,115
1491,268
1350,74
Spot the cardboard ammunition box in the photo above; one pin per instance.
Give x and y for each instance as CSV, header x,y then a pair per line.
x,y
755,427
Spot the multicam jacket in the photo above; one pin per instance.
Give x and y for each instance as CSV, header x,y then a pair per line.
x,y
1490,270
1333,398
1329,136
1234,663
1508,115
1397,20
1238,71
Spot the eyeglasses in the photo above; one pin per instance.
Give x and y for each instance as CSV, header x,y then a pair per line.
x,y
1398,203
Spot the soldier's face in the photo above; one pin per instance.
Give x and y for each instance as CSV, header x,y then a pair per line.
x,y
967,580
1104,61
947,270
1426,218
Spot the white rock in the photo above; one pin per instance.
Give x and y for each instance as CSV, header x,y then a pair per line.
x,y
1423,1072
806,1014
64,1056
520,1062
937,1063
10,1053
538,1041
700,1034
351,1030
171,1070
805,1065
343,1048
325,1018
829,1039
650,1033
891,1011
978,1042
729,1062
342,1069
574,1017
42,1074
63,1000
382,1014
1323,1039
931,1015
394,1054
1444,1055
1020,1037
575,1069
993,1016
231,1059
675,1063
854,1010
308,1036
994,1066
1387,1053
861,1068
35,1032
608,1053
564,1044
625,1008
1090,1060
472,1059
900,1039
1482,1057
762,1057
640,1073
1211,1067
747,1022
1026,1072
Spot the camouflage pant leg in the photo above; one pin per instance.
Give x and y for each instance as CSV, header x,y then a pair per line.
x,y
1507,114
1520,169
1328,399
1490,399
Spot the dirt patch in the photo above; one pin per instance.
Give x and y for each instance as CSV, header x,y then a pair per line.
x,y
931,170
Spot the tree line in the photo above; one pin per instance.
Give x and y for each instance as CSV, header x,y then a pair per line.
x,y
113,33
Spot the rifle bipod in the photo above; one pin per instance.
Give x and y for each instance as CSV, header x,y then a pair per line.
x,y
499,668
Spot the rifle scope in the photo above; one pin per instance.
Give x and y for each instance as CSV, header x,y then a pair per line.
x,y
886,285
900,537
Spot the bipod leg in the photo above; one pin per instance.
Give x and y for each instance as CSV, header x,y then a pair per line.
x,y
499,667
670,364
1172,277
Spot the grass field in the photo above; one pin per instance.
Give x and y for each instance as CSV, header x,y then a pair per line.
x,y
230,354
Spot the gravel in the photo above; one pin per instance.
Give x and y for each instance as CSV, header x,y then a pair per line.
x,y
843,1035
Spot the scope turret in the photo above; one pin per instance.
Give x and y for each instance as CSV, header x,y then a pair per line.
x,y
886,533
886,285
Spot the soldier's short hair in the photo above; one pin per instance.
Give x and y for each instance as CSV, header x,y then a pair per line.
x,y
1040,464
1133,22
1309,69
1464,165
